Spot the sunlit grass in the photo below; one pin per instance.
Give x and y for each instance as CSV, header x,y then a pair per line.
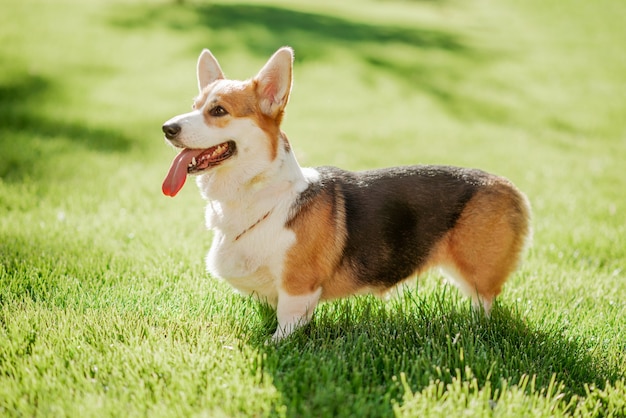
x,y
105,305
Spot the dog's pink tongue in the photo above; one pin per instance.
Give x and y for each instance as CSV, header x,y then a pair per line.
x,y
177,175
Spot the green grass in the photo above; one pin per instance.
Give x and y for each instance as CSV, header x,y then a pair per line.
x,y
105,306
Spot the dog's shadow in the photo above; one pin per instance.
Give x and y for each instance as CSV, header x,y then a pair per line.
x,y
354,352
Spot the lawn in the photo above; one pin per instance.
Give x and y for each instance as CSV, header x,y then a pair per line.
x,y
106,308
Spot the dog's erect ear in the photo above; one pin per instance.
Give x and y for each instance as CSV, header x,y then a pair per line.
x,y
274,82
208,69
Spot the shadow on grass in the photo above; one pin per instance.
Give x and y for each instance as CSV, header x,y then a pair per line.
x,y
262,29
30,139
402,53
351,358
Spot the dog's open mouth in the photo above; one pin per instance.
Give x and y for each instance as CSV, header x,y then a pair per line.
x,y
194,161
211,157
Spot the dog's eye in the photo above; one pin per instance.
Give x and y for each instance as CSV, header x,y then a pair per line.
x,y
218,111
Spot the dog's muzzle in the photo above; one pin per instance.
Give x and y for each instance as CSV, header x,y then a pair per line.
x,y
171,130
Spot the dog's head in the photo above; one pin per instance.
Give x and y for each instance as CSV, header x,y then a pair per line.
x,y
232,122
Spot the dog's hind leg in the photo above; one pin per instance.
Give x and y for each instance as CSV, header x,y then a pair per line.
x,y
294,311
480,301
486,244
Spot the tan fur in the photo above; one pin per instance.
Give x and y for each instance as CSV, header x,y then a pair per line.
x,y
235,99
239,101
320,236
485,245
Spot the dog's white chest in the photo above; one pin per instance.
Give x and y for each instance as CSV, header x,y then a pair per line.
x,y
252,260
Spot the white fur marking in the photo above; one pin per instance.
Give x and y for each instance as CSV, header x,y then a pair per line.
x,y
294,312
478,302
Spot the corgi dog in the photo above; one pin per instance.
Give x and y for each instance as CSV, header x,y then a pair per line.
x,y
295,236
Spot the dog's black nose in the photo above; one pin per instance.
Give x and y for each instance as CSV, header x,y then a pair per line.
x,y
171,130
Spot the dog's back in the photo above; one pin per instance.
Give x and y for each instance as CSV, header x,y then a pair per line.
x,y
394,223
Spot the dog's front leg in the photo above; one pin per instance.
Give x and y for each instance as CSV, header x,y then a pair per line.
x,y
294,311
